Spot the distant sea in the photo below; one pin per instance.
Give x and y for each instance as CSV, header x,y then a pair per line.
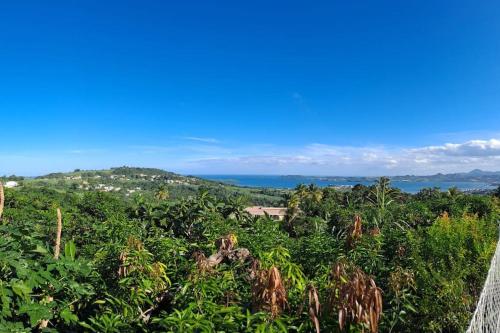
x,y
289,182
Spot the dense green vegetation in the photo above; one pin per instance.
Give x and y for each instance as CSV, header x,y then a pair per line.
x,y
127,182
365,259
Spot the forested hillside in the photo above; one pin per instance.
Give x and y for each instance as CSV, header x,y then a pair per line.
x,y
129,182
368,259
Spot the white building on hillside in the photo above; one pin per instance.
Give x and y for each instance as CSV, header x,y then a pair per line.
x,y
11,184
276,213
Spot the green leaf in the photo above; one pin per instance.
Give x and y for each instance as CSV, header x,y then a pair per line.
x,y
40,249
68,316
6,301
70,250
411,308
36,312
21,289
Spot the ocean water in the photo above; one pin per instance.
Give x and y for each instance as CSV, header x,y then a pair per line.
x,y
288,182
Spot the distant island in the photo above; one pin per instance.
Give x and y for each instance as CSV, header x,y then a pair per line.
x,y
476,175
477,181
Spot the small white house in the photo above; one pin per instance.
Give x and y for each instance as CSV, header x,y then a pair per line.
x,y
11,184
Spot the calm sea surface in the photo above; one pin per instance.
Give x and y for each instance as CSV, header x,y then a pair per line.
x,y
290,182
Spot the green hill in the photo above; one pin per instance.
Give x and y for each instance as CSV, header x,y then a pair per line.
x,y
129,182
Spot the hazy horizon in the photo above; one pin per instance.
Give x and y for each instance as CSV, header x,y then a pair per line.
x,y
237,174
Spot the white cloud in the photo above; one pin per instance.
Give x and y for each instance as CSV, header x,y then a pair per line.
x,y
472,148
315,158
348,160
200,139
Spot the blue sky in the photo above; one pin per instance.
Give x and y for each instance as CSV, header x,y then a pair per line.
x,y
255,87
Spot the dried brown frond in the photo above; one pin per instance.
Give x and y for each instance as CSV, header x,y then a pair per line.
x,y
356,231
254,269
268,292
201,262
355,296
314,306
375,231
123,268
57,247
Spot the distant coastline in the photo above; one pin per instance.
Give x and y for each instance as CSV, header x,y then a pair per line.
x,y
472,181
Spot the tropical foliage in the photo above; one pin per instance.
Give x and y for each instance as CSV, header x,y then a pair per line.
x,y
362,260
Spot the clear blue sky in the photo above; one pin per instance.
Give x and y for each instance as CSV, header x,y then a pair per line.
x,y
311,87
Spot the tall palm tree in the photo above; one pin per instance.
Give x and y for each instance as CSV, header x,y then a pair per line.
x,y
293,208
314,193
381,197
301,190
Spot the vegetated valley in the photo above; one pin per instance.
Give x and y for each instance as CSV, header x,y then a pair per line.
x,y
143,250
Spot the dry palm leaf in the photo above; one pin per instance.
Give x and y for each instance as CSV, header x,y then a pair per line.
x,y
314,306
356,231
268,292
355,296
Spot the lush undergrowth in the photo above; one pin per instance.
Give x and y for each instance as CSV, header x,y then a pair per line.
x,y
368,259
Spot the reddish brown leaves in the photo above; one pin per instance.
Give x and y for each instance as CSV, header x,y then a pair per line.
x,y
268,292
356,231
123,268
375,231
355,296
314,306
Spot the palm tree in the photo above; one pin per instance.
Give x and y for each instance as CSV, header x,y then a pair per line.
x,y
454,192
314,193
162,193
301,190
293,208
381,197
